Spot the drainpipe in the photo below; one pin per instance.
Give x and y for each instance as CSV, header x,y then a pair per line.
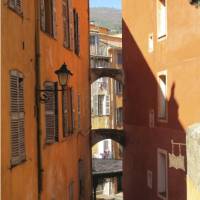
x,y
37,95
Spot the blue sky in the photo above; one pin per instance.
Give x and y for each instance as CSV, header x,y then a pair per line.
x,y
106,3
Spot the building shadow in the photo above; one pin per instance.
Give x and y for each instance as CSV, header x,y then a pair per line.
x,y
145,135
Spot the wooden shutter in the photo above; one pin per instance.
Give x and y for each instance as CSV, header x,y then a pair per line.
x,y
72,111
17,117
50,113
56,111
76,32
65,112
42,15
66,31
54,18
79,112
11,4
18,6
71,24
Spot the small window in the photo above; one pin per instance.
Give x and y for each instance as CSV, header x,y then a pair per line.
x,y
48,16
16,5
119,117
119,58
51,113
17,117
100,104
162,96
151,45
161,18
66,23
68,111
76,33
118,88
162,184
71,190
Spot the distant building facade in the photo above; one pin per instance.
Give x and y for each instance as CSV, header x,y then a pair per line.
x,y
45,134
106,98
161,100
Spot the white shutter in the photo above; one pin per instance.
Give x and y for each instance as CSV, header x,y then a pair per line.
x,y
107,106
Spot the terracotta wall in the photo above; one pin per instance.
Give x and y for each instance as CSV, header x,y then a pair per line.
x,y
178,53
18,53
60,160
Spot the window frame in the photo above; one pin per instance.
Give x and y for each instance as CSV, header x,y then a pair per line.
x,y
161,73
163,37
164,152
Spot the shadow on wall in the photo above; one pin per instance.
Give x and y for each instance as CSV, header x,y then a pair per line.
x,y
142,142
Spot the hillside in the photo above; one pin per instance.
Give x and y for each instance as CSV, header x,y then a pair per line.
x,y
108,17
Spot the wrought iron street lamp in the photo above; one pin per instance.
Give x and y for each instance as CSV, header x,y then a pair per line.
x,y
63,74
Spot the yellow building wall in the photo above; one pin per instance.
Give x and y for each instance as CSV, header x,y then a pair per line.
x,y
192,191
18,52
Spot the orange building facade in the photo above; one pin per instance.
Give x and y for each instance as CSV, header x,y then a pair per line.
x,y
45,134
161,99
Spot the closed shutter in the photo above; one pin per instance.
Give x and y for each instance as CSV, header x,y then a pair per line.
x,y
79,112
50,113
65,113
66,32
54,18
107,104
76,32
42,15
18,5
17,117
72,111
12,4
71,25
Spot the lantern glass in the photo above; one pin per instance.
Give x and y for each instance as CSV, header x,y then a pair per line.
x,y
63,78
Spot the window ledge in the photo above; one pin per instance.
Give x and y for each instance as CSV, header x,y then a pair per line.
x,y
162,38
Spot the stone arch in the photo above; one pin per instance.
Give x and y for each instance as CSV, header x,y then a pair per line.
x,y
114,73
98,135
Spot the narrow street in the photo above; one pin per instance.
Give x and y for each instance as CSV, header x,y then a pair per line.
x,y
100,100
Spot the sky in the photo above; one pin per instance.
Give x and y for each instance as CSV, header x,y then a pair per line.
x,y
106,3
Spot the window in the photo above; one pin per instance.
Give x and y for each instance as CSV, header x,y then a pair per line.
x,y
17,117
150,48
66,21
51,113
119,58
68,111
162,96
161,18
118,88
162,188
71,190
119,116
101,105
48,16
76,33
16,5
79,112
